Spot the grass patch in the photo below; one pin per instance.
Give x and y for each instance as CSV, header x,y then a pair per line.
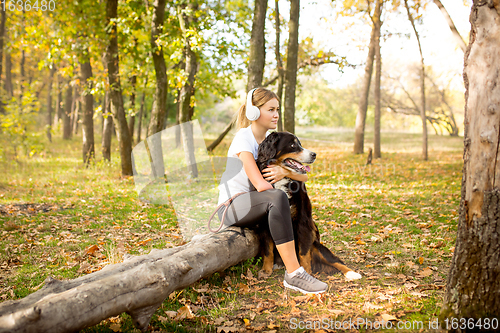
x,y
394,222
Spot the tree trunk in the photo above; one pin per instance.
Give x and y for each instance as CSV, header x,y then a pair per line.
x,y
257,57
131,120
291,66
359,132
8,75
137,286
58,114
22,72
473,288
141,115
88,112
222,135
2,36
187,21
425,155
159,108
23,58
115,92
107,129
75,111
378,73
452,26
49,103
281,74
66,113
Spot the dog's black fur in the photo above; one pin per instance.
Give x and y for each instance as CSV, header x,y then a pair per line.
x,y
285,149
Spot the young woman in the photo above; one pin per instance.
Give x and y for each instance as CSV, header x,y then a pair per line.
x,y
265,204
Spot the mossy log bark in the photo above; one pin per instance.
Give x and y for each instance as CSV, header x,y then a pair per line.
x,y
137,286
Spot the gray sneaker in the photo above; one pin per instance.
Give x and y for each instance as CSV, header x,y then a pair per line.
x,y
304,283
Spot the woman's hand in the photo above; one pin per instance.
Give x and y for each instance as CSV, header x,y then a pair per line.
x,y
275,173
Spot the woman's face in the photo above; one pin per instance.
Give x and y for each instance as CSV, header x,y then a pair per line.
x,y
269,114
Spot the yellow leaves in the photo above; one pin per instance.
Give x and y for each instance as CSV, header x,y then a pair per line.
x,y
144,242
91,250
243,288
420,260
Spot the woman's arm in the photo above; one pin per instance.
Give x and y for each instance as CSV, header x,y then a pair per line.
x,y
253,172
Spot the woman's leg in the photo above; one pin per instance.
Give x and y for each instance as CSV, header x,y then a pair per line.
x,y
249,209
288,255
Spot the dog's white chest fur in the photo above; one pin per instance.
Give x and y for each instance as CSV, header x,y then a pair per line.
x,y
284,185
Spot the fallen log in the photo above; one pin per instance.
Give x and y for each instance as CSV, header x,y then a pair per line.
x,y
137,286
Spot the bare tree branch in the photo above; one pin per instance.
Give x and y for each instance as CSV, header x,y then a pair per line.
x,y
452,26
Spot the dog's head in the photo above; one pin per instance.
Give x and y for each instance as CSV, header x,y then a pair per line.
x,y
283,148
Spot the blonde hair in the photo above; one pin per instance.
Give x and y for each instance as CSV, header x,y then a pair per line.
x,y
259,97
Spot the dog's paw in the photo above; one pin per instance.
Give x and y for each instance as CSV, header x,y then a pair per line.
x,y
351,275
276,266
263,274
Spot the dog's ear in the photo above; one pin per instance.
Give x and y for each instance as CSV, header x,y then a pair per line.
x,y
268,147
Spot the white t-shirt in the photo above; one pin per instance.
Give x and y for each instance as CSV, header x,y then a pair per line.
x,y
235,180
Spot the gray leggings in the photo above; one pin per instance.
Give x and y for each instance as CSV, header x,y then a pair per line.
x,y
270,206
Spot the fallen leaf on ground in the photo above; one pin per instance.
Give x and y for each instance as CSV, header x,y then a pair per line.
x,y
227,329
418,294
144,242
425,272
369,306
84,266
115,327
184,313
171,314
388,317
336,312
91,250
411,264
243,288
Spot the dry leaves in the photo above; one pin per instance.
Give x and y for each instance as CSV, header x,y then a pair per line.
x,y
387,317
91,250
425,272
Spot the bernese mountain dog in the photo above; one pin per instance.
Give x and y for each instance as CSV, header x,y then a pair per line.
x,y
285,149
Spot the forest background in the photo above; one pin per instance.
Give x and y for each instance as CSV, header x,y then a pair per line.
x,y
59,201
43,51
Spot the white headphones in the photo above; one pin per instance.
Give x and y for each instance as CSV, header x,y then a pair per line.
x,y
252,112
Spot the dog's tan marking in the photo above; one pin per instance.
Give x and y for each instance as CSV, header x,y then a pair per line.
x,y
305,261
267,265
343,268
